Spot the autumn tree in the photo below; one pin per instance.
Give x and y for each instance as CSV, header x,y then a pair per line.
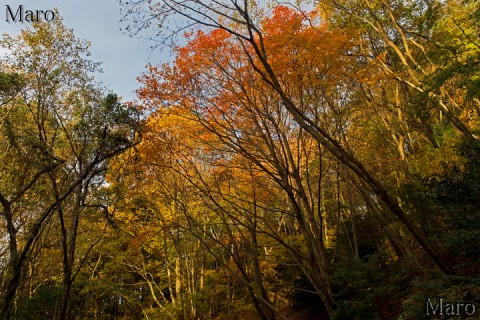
x,y
242,23
59,132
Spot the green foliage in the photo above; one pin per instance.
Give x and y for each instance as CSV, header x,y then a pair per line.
x,y
452,198
106,125
373,290
43,305
10,85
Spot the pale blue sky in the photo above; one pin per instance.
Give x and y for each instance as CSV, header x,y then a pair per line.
x,y
123,58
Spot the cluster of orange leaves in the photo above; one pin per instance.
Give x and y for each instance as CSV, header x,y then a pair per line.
x,y
212,81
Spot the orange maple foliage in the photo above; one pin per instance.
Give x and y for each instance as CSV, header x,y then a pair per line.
x,y
213,71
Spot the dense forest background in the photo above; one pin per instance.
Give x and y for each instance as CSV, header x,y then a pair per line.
x,y
308,160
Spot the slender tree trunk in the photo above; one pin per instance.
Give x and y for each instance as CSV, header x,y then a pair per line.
x,y
15,280
265,302
178,283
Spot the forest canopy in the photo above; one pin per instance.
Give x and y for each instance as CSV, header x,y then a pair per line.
x,y
311,160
